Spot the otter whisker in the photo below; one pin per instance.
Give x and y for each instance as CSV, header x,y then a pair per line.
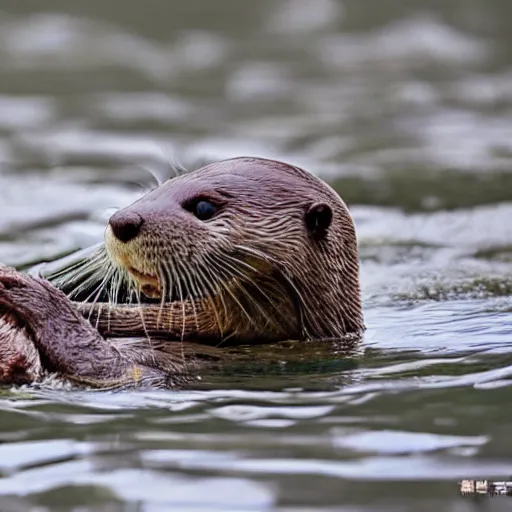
x,y
264,315
110,298
98,258
121,278
232,295
244,311
207,291
141,314
112,285
98,315
301,302
174,281
174,166
168,288
182,300
100,289
194,294
151,172
94,269
163,284
113,294
183,308
203,283
244,276
237,261
217,292
78,270
174,278
276,290
134,291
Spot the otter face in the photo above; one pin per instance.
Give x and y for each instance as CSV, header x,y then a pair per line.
x,y
270,245
167,237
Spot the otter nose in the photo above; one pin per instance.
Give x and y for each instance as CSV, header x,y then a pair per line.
x,y
125,225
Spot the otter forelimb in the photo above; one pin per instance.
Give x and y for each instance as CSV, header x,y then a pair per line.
x,y
36,312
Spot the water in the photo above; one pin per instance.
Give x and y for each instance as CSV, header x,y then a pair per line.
x,y
406,108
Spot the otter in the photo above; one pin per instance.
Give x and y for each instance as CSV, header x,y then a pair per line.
x,y
241,251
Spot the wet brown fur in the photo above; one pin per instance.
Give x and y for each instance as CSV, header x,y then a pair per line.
x,y
253,273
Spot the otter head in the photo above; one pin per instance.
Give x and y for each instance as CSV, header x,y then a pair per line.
x,y
265,249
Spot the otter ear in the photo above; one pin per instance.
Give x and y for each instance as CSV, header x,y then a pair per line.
x,y
318,219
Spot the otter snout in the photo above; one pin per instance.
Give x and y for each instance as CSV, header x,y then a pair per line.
x,y
125,225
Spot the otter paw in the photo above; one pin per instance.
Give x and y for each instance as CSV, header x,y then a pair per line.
x,y
22,295
8,280
13,285
11,278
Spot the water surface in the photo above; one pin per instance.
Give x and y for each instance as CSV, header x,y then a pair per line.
x,y
406,108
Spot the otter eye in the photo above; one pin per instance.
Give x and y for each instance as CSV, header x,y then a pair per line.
x,y
204,210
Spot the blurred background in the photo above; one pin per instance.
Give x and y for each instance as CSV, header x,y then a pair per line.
x,y
406,109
